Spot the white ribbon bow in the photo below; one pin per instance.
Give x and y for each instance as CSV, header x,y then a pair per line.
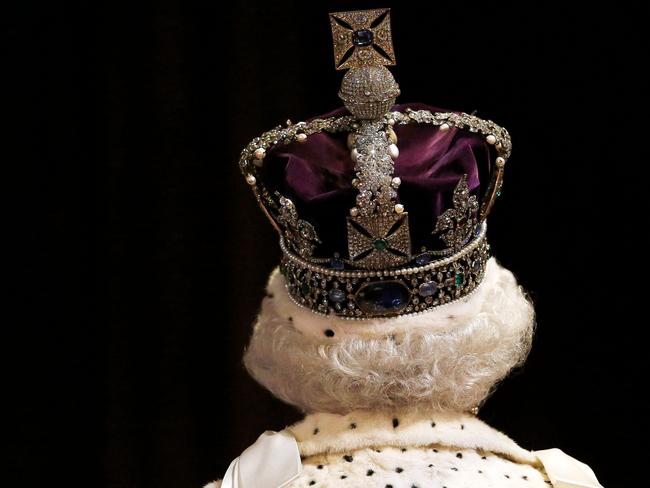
x,y
565,471
273,461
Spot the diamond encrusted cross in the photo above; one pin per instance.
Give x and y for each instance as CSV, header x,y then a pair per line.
x,y
362,38
379,241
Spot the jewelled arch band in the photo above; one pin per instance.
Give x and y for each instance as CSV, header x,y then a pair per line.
x,y
253,154
404,283
371,294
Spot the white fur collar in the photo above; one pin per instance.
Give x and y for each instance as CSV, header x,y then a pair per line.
x,y
331,433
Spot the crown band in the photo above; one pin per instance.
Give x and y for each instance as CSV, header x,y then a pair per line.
x,y
370,294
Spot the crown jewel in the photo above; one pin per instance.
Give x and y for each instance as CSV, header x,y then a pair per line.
x,y
302,178
362,38
456,225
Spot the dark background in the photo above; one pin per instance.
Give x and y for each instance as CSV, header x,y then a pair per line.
x,y
142,255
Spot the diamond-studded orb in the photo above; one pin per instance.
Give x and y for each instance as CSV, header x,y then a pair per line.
x,y
369,92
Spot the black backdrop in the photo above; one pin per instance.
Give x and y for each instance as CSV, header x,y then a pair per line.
x,y
142,256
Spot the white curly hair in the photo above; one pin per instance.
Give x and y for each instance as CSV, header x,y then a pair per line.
x,y
450,358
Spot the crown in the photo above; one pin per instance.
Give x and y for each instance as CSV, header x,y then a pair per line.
x,y
369,228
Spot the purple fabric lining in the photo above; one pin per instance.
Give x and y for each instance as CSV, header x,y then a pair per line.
x,y
317,176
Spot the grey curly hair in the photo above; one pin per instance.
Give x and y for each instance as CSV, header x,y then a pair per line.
x,y
416,364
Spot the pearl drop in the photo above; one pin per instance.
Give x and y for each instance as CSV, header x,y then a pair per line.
x,y
393,151
500,162
260,153
301,137
397,181
444,127
399,208
354,211
251,180
391,135
391,121
491,139
352,139
354,155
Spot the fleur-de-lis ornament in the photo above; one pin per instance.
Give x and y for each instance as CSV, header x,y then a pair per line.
x,y
457,225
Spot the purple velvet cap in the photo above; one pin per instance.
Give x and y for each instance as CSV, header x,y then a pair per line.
x,y
317,176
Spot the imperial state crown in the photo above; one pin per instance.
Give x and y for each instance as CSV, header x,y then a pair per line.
x,y
381,208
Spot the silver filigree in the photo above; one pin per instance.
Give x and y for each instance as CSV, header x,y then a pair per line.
x,y
374,170
378,237
457,225
300,234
